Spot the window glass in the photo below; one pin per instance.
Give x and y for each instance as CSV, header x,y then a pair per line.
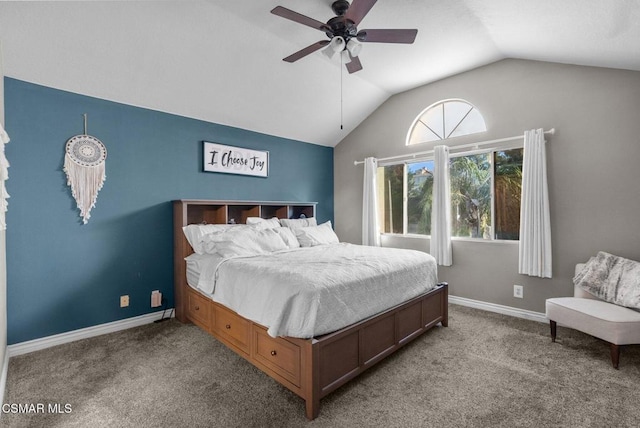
x,y
419,197
471,196
474,122
390,198
508,187
455,113
422,134
433,119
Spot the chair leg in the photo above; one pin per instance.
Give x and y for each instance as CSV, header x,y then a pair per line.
x,y
615,355
552,324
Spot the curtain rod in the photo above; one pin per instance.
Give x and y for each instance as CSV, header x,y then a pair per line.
x,y
463,146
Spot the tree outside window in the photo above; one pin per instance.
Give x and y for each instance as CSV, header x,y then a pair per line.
x,y
478,183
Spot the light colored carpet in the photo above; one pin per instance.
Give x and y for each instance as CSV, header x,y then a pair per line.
x,y
484,370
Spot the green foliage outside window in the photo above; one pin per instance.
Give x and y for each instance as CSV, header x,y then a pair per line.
x,y
419,197
471,195
508,187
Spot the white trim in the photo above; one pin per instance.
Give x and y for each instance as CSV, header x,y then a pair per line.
x,y
3,376
83,333
453,238
505,310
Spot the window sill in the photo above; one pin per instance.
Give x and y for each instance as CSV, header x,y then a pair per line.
x,y
454,238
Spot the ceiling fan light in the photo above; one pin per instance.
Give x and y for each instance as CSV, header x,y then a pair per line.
x,y
354,47
335,45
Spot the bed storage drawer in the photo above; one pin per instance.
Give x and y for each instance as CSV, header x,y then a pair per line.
x,y
198,310
232,328
279,355
433,310
409,322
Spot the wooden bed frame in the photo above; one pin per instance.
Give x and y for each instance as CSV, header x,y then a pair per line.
x,y
311,368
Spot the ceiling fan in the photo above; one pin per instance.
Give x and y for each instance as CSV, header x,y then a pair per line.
x,y
344,36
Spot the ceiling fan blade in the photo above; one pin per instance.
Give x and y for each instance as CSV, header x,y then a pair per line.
x,y
387,36
306,51
299,18
354,65
359,9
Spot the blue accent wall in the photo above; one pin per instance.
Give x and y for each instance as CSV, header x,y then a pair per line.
x,y
63,275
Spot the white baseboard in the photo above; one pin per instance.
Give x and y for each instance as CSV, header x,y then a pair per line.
x,y
83,333
505,310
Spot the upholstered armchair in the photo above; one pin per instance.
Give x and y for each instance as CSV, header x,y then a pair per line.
x,y
584,312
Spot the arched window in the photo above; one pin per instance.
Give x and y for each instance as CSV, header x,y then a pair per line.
x,y
446,119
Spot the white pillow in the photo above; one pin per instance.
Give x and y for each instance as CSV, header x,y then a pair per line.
x,y
288,237
296,223
244,242
262,223
254,220
195,232
316,235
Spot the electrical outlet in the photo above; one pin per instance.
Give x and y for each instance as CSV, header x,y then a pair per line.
x,y
518,291
156,298
124,301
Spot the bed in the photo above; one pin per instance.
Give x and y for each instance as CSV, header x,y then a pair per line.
x,y
319,327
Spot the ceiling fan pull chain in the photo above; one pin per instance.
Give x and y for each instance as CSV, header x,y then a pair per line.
x,y
341,91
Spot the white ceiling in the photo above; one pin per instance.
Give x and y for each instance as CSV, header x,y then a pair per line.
x,y
221,60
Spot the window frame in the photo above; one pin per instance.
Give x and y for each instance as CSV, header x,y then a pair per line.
x,y
453,154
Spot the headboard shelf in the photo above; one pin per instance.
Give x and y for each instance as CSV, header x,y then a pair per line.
x,y
210,211
206,214
270,211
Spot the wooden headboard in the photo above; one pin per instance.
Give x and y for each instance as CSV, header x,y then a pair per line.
x,y
198,211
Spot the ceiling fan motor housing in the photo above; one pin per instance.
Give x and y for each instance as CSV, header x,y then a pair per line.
x,y
340,7
341,26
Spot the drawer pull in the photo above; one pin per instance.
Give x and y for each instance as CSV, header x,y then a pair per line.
x,y
197,308
228,326
274,353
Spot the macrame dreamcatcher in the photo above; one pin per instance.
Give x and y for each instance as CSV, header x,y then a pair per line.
x,y
84,164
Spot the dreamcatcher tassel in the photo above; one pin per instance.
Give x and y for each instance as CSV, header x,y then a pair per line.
x,y
85,182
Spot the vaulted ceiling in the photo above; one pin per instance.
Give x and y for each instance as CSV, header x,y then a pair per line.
x,y
221,60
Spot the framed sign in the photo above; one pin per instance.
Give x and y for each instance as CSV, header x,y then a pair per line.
x,y
235,160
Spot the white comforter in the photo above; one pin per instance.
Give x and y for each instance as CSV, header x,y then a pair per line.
x,y
308,292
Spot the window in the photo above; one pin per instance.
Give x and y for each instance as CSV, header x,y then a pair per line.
x,y
508,187
446,119
419,191
390,198
417,178
471,196
485,195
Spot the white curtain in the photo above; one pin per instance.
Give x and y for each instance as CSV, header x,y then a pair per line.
x,y
441,208
535,228
370,229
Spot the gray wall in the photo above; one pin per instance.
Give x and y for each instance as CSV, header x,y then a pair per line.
x,y
592,168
